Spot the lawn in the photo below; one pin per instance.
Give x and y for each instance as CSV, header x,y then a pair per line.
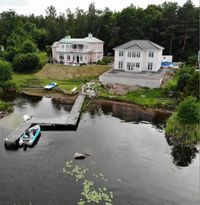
x,y
155,98
67,77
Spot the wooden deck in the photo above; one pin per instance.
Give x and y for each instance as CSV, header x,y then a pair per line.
x,y
68,119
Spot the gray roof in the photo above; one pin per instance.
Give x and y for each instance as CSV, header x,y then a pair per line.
x,y
89,39
142,44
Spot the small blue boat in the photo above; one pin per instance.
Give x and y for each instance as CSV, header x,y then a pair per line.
x,y
50,86
30,136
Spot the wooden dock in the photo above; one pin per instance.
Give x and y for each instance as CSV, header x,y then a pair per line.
x,y
70,119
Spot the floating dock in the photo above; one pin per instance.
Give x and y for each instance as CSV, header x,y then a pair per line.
x,y
70,119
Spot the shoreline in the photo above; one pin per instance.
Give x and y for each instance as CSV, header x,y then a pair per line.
x,y
64,98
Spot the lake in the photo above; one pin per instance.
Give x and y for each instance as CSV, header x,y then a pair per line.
x,y
126,144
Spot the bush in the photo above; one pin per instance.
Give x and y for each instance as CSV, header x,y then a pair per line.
x,y
28,47
10,53
106,60
5,72
192,86
182,81
26,63
188,111
4,106
192,60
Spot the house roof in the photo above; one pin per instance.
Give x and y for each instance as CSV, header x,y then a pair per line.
x,y
89,39
142,44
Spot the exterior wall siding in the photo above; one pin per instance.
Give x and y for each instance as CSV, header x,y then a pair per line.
x,y
144,59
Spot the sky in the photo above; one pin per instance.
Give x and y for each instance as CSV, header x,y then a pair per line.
x,y
38,6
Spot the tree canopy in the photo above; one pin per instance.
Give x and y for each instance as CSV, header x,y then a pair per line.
x,y
170,25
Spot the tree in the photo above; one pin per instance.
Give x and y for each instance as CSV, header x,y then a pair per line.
x,y
28,47
5,72
26,63
188,111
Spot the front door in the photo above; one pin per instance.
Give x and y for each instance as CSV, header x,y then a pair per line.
x,y
77,59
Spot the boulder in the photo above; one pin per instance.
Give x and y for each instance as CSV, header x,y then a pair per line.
x,y
78,155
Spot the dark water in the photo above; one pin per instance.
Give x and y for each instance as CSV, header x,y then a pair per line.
x,y
150,171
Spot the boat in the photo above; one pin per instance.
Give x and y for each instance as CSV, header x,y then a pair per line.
x,y
30,136
50,86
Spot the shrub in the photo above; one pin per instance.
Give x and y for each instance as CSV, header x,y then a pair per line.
x,y
192,86
192,60
5,72
4,106
188,111
182,81
26,63
106,60
28,47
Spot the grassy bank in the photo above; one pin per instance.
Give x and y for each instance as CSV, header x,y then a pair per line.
x,y
4,106
186,133
154,98
67,77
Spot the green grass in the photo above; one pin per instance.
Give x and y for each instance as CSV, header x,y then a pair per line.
x,y
67,77
4,106
180,131
42,57
155,98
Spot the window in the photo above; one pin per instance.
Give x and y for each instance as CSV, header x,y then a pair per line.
x,y
74,46
129,54
128,65
150,66
61,57
121,53
81,58
133,54
62,46
137,65
151,54
138,54
120,64
68,58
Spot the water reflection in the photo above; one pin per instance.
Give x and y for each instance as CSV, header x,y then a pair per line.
x,y
183,155
128,113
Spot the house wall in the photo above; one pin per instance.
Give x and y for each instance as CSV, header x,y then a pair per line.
x,y
144,59
167,58
91,53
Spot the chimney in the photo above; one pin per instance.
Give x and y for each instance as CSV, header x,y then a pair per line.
x,y
90,35
68,37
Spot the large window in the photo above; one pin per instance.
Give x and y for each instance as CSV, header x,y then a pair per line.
x,y
132,66
74,46
138,54
121,53
120,65
151,54
150,66
129,54
68,58
61,57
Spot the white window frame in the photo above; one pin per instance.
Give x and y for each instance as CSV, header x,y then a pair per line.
x,y
150,66
120,64
151,54
129,54
121,53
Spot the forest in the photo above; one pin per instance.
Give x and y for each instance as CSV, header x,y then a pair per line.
x,y
170,25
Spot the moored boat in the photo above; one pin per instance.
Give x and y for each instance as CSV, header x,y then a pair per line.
x,y
30,136
50,86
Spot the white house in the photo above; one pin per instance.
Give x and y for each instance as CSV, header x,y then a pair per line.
x,y
78,50
137,56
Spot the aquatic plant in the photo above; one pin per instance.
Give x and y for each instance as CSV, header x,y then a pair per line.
x,y
91,192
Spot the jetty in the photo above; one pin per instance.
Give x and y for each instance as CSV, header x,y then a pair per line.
x,y
70,119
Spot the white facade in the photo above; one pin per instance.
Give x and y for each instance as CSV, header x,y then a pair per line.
x,y
76,50
137,56
167,58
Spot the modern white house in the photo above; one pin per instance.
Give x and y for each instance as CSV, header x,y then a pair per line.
x,y
78,50
137,56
